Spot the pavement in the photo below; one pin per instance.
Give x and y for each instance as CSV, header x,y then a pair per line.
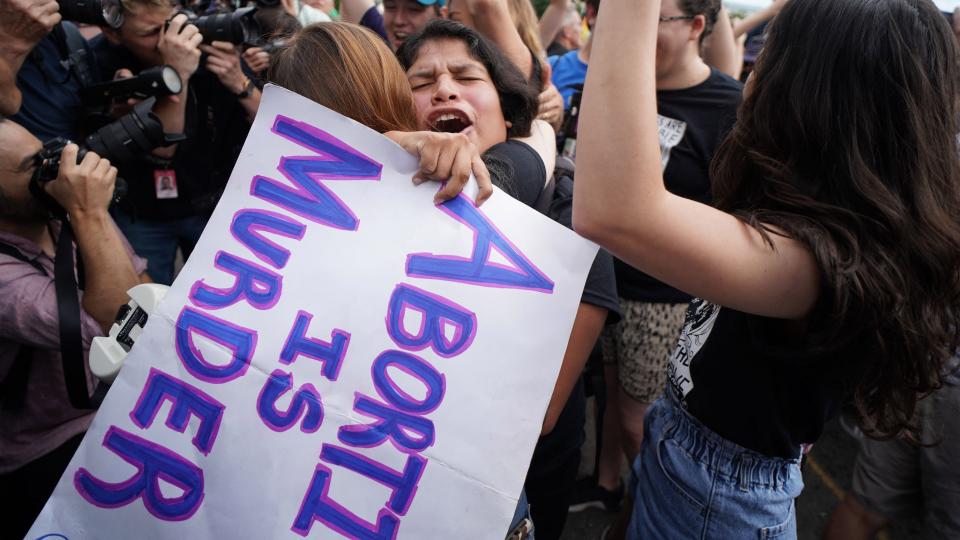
x,y
826,474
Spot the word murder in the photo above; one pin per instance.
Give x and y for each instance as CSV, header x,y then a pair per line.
x,y
395,415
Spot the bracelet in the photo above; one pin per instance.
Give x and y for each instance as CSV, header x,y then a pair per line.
x,y
247,90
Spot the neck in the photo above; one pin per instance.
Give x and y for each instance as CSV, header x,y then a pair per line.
x,y
584,52
34,231
689,72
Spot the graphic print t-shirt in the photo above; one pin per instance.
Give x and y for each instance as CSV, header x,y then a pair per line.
x,y
747,379
691,122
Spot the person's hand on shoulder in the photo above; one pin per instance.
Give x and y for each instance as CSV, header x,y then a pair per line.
x,y
446,157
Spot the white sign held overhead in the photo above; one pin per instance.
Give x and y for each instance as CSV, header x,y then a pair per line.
x,y
338,358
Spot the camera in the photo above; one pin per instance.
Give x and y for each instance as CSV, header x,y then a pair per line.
x,y
237,27
156,81
132,135
96,12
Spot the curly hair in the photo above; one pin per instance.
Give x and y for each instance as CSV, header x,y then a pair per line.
x,y
847,141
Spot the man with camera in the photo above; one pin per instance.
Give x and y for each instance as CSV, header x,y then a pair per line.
x,y
173,190
40,427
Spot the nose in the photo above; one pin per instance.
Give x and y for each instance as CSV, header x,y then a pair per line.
x,y
445,90
400,16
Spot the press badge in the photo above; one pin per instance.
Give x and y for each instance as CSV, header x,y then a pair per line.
x,y
165,183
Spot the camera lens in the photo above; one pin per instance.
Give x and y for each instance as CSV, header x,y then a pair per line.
x,y
95,12
172,80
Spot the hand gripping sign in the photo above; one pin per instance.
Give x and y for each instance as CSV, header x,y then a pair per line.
x,y
338,358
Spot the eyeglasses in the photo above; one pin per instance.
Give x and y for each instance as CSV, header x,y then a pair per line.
x,y
677,18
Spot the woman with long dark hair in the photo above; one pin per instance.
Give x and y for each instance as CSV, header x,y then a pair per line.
x,y
828,270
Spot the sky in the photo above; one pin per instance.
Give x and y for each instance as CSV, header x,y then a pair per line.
x,y
945,5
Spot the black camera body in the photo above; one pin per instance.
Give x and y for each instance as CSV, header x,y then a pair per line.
x,y
237,27
137,133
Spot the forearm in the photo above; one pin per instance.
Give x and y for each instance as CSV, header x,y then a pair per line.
x,y
752,21
109,270
493,20
552,20
618,152
586,329
720,47
171,113
251,103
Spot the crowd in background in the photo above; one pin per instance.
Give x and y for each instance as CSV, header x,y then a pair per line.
x,y
796,165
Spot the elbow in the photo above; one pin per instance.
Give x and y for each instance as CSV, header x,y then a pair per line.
x,y
589,223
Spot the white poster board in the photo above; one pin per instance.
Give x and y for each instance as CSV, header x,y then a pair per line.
x,y
338,358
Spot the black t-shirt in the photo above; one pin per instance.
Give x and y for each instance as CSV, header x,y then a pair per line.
x,y
692,122
519,171
215,125
749,379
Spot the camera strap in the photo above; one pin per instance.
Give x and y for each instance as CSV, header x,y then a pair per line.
x,y
74,53
68,310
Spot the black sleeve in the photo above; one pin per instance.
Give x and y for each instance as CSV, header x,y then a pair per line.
x,y
517,169
601,286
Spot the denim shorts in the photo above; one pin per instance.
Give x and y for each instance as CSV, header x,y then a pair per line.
x,y
692,483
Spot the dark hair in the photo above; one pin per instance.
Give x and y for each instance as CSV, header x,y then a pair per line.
x,y
348,55
847,142
708,8
518,101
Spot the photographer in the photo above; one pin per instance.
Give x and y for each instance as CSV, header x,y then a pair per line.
x,y
173,191
40,428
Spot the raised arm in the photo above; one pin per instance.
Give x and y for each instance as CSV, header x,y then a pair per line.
x,y
552,20
757,18
621,203
492,19
720,47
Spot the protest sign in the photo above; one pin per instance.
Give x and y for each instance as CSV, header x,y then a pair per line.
x,y
339,357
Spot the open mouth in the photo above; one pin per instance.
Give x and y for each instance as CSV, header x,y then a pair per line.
x,y
450,122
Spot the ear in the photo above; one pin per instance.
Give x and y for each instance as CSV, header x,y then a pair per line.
x,y
697,26
508,123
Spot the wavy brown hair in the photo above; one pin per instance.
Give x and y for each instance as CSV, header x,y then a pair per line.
x,y
348,69
847,141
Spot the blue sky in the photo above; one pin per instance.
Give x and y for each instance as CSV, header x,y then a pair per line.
x,y
945,5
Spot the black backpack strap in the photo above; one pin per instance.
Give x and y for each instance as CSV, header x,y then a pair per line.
x,y
15,253
74,54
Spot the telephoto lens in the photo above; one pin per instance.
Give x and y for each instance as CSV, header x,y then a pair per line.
x,y
156,81
96,12
238,27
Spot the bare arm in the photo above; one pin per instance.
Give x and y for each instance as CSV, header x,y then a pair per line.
x,y
586,330
720,47
179,48
85,191
620,200
22,24
492,19
352,11
552,20
757,18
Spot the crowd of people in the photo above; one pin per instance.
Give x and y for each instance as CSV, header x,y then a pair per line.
x,y
776,195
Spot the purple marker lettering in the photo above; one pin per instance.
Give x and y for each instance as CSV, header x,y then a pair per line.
x,y
318,506
477,270
403,485
432,380
260,286
185,400
390,424
247,226
436,312
153,462
240,341
329,354
310,198
305,403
